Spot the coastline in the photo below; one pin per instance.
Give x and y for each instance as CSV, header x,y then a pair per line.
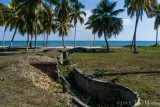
x,y
80,43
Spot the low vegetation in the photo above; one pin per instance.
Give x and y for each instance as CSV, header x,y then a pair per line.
x,y
22,84
140,72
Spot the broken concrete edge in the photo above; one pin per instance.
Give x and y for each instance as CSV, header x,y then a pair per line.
x,y
64,80
61,59
80,103
64,55
119,87
75,99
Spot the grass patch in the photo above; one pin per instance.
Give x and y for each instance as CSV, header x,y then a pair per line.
x,y
140,72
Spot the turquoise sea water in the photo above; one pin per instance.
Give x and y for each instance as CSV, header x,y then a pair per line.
x,y
81,43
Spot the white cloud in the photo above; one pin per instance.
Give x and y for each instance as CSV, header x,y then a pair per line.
x,y
127,22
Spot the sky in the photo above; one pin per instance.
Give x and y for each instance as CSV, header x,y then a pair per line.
x,y
145,31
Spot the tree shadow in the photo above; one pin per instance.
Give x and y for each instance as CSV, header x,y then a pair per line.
x,y
102,73
88,50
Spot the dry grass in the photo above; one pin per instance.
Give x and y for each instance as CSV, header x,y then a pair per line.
x,y
21,84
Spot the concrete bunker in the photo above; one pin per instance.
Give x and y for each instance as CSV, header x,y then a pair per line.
x,y
106,91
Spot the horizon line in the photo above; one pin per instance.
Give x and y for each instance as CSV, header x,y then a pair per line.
x,y
86,40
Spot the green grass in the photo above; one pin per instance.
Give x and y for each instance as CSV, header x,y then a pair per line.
x,y
12,49
122,66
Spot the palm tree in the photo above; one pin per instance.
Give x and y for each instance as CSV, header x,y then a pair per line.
x,y
63,10
105,21
3,14
12,18
90,26
48,29
27,25
156,14
13,22
137,7
76,16
47,39
38,7
63,29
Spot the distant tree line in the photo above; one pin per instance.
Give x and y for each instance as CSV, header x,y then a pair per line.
x,y
35,17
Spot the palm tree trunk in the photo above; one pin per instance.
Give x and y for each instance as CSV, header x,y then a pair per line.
x,y
63,41
135,48
157,38
75,37
63,37
36,35
47,39
132,42
13,37
28,41
31,40
4,38
106,42
94,40
44,40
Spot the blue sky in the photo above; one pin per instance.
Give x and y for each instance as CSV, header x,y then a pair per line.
x,y
145,30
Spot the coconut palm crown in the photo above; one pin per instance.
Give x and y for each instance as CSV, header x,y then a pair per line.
x,y
37,7
76,16
63,10
138,7
89,25
156,14
105,21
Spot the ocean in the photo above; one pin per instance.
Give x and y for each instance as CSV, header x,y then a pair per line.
x,y
80,43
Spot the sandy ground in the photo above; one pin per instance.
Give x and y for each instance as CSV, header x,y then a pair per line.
x,y
60,47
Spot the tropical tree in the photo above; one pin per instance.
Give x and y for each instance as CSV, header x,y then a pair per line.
x,y
137,7
63,10
63,29
75,16
156,14
4,12
1,15
27,25
48,28
13,19
90,26
13,22
39,7
105,21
